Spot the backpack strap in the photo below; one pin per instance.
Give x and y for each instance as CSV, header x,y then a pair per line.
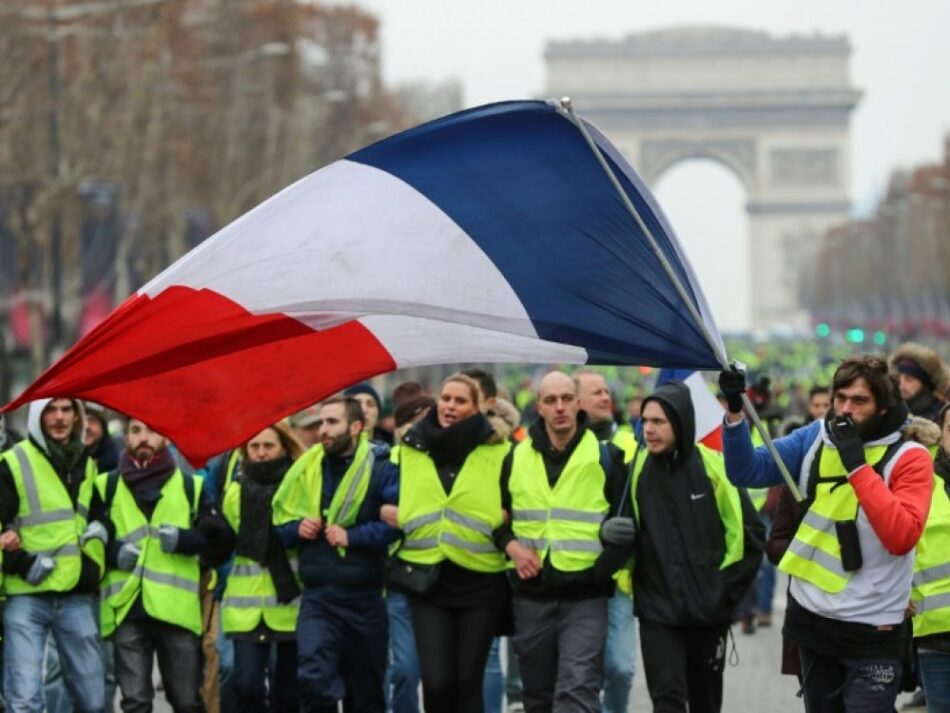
x,y
112,484
189,484
605,458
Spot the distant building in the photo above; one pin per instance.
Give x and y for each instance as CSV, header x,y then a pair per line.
x,y
889,276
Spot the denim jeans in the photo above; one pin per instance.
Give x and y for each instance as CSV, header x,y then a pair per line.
x,y
227,695
765,579
402,684
935,677
137,641
620,653
493,687
832,685
27,620
57,697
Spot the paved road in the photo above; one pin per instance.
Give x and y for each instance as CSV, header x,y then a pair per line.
x,y
753,685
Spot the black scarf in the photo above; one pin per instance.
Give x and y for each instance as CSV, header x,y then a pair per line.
x,y
256,538
150,476
449,446
64,456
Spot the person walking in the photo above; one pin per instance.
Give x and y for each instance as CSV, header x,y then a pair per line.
x,y
53,559
449,504
569,531
261,597
328,507
161,521
867,494
698,549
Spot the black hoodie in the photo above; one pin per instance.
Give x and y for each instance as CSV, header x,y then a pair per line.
x,y
680,535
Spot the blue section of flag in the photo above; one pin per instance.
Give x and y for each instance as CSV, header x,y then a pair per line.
x,y
520,180
671,374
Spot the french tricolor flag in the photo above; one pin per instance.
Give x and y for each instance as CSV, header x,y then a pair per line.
x,y
709,412
491,235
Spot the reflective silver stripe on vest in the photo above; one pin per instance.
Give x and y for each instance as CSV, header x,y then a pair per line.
x,y
63,551
45,518
249,602
535,515
819,522
931,574
351,492
112,589
139,533
935,601
470,522
82,510
534,543
455,541
29,480
576,515
576,546
424,544
417,522
171,580
813,554
247,570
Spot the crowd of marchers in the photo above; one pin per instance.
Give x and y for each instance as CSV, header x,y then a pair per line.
x,y
327,561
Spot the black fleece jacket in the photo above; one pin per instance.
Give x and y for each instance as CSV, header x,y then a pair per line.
x,y
552,583
680,535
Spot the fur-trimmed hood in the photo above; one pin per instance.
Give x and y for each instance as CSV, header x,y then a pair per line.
x,y
927,359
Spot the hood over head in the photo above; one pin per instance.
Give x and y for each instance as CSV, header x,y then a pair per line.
x,y
674,398
924,363
34,423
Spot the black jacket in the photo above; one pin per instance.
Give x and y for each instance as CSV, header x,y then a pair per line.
x,y
552,583
680,536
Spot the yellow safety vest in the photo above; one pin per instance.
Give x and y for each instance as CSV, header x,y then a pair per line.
x,y
625,441
47,521
300,493
561,523
250,594
167,582
930,589
727,498
234,461
457,526
814,554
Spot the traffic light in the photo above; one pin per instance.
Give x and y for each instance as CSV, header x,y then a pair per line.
x,y
855,335
880,338
822,329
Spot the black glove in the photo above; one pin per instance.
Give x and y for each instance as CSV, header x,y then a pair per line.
x,y
732,385
844,435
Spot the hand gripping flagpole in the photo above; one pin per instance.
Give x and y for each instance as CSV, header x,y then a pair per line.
x,y
567,106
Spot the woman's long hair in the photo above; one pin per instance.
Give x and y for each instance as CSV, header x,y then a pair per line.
x,y
288,440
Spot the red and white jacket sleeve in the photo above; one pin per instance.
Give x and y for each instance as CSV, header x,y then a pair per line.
x,y
897,510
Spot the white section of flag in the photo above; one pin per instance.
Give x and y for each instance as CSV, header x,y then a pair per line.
x,y
348,241
709,412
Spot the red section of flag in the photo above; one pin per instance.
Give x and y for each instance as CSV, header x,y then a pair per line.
x,y
713,440
197,352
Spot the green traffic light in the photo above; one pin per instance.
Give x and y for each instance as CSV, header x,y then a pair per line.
x,y
822,329
880,338
855,335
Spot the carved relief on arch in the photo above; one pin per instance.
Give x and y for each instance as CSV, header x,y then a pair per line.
x,y
657,155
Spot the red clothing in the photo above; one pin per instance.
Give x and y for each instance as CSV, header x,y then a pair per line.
x,y
897,510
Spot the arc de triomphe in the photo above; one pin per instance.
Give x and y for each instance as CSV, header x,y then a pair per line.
x,y
774,110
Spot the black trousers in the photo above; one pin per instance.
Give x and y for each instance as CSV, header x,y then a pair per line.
x,y
453,649
252,664
683,666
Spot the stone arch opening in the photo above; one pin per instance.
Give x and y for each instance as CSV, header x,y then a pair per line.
x,y
705,199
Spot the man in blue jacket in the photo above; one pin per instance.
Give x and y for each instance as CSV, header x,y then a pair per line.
x,y
328,506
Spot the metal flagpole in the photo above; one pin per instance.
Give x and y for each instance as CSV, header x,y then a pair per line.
x,y
568,107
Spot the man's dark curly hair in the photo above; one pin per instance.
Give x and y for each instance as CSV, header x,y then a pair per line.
x,y
873,369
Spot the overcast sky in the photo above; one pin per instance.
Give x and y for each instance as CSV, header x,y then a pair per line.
x,y
900,56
